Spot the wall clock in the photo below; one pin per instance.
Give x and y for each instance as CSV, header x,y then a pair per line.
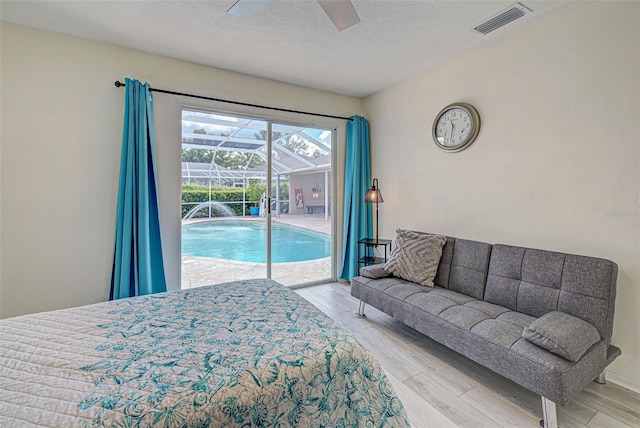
x,y
456,127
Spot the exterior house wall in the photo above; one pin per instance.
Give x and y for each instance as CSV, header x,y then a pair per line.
x,y
307,182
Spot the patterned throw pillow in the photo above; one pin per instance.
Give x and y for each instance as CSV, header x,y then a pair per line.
x,y
415,256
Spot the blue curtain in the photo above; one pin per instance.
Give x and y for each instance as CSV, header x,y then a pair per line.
x,y
357,177
137,262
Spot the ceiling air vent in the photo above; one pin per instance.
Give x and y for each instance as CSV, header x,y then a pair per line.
x,y
501,19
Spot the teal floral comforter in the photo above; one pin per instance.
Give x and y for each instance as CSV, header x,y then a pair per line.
x,y
242,354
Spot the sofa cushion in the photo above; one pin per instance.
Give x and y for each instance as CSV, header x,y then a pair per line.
x,y
505,274
541,279
498,331
562,334
469,267
524,279
374,271
535,282
589,291
444,268
415,256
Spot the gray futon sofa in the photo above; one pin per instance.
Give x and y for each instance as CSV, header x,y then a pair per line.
x,y
487,297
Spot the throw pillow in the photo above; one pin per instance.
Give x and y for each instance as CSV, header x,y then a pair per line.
x,y
562,334
374,271
415,256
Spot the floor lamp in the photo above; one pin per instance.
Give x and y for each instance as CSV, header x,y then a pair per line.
x,y
374,196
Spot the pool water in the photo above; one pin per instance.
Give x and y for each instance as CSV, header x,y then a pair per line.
x,y
245,240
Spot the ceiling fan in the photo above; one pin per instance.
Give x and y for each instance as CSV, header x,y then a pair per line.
x,y
340,12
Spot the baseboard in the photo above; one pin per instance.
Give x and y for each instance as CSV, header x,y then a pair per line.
x,y
623,382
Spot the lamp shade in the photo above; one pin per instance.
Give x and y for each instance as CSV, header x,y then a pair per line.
x,y
373,195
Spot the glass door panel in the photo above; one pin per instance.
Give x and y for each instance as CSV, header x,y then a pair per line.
x,y
301,224
223,192
253,206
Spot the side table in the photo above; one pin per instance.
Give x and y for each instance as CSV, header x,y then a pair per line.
x,y
366,251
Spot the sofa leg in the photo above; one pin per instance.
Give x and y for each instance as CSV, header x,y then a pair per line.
x,y
550,417
601,378
360,313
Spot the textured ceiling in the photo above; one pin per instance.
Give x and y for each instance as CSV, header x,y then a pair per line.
x,y
288,41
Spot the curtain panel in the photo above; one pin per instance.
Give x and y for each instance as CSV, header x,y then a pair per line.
x,y
357,213
138,267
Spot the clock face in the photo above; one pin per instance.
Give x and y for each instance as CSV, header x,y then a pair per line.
x,y
456,126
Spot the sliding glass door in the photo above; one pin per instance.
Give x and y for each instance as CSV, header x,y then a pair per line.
x,y
301,227
256,200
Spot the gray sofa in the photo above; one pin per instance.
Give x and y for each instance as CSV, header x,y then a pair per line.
x,y
486,297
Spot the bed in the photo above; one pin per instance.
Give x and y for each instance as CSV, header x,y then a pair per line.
x,y
245,353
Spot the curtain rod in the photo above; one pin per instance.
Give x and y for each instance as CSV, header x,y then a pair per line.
x,y
119,84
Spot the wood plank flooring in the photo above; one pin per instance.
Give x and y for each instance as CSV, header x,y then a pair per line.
x,y
441,388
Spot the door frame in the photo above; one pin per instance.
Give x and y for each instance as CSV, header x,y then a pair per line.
x,y
326,124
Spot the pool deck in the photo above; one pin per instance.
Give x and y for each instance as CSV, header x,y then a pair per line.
x,y
199,271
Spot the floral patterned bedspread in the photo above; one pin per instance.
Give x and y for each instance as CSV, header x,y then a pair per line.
x,y
247,353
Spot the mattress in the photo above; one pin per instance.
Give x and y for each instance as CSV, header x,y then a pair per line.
x,y
245,353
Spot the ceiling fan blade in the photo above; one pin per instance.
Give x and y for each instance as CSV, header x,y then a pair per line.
x,y
340,12
246,7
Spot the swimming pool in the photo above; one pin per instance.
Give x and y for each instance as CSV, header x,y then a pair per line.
x,y
245,240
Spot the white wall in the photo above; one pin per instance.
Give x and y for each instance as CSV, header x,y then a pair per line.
x,y
61,137
557,162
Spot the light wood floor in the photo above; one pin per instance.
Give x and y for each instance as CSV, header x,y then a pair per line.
x,y
441,388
